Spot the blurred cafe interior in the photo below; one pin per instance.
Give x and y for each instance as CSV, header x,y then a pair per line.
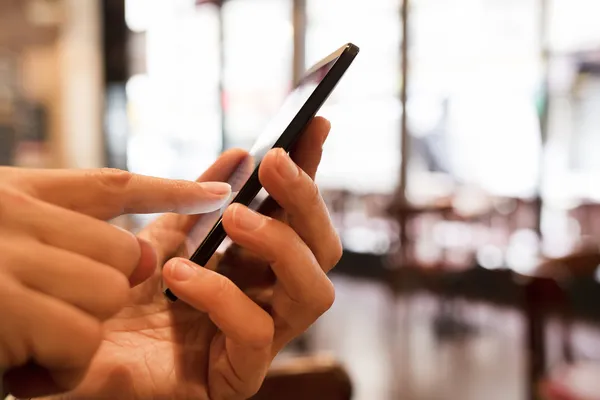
x,y
460,171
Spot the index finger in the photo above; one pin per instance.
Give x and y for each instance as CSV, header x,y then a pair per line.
x,y
161,231
307,153
106,193
295,191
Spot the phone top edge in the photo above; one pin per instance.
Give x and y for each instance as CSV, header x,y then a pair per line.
x,y
353,49
316,100
307,112
288,137
348,47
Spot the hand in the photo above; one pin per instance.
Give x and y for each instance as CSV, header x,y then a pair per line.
x,y
63,270
218,341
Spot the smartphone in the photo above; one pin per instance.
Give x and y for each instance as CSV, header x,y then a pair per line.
x,y
283,131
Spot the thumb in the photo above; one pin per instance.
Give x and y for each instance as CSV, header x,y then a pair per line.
x,y
106,193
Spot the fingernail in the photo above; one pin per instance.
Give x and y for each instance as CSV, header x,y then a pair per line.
x,y
247,219
180,271
146,265
212,197
287,169
216,188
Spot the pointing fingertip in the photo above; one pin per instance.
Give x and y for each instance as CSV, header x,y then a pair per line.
x,y
212,197
221,189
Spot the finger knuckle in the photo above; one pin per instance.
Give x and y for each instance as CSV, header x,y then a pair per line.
x,y
13,203
326,299
10,198
311,193
263,334
223,288
113,178
319,300
336,251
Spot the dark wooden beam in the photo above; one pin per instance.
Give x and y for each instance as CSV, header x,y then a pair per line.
x,y
299,19
115,35
401,196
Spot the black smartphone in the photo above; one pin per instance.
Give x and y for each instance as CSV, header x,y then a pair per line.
x,y
297,111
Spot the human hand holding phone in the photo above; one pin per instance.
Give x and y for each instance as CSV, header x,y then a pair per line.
x,y
241,307
283,132
239,310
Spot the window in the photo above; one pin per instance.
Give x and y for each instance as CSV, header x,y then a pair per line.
x,y
362,153
174,108
475,81
258,52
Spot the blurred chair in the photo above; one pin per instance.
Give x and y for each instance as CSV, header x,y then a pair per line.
x,y
314,378
573,383
587,214
437,248
546,294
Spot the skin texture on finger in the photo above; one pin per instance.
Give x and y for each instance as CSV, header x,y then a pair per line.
x,y
236,371
77,233
107,193
184,347
84,283
227,306
168,232
309,149
241,352
307,154
54,335
302,291
306,212
291,260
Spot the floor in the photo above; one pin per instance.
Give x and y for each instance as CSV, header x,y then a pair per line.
x,y
391,352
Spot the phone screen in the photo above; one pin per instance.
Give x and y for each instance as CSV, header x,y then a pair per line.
x,y
265,142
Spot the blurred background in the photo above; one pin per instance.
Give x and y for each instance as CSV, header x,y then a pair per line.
x,y
460,171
